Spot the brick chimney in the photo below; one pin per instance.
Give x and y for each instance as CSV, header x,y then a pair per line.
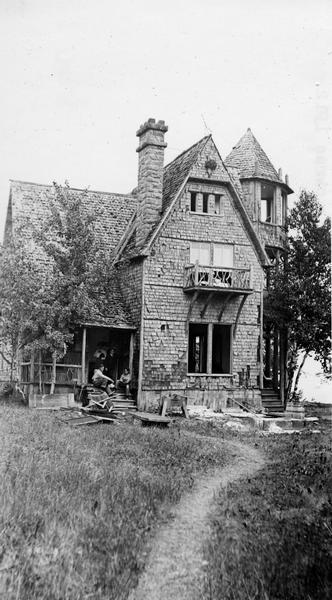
x,y
150,177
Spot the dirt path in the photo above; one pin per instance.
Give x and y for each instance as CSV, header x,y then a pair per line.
x,y
175,566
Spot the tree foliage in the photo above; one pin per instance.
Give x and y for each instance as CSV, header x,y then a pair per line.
x,y
53,279
300,290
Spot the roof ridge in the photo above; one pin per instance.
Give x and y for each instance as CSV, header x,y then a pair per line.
x,y
50,185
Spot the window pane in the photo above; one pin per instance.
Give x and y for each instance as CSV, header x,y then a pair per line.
x,y
217,205
267,197
221,349
197,349
223,255
193,201
200,251
205,203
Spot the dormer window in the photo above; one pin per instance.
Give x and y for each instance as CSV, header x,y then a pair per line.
x,y
267,203
205,203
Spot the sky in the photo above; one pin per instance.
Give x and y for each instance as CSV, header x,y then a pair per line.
x,y
78,77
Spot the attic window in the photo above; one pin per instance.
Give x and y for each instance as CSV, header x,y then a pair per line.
x,y
217,205
205,203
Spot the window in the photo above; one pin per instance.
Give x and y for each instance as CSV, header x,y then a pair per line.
x,y
221,349
267,203
283,208
200,252
203,203
220,360
216,255
197,348
217,205
223,255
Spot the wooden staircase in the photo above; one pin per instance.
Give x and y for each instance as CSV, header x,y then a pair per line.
x,y
123,403
271,401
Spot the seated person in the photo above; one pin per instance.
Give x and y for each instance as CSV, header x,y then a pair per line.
x,y
101,381
124,381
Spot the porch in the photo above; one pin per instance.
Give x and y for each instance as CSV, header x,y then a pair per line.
x,y
43,374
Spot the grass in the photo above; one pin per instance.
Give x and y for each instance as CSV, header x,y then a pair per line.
x,y
78,506
272,534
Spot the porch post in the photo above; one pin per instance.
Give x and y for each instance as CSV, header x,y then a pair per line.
x,y
131,353
209,349
261,346
276,357
83,354
53,373
40,371
282,367
32,372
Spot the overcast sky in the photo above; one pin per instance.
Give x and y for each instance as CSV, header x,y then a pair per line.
x,y
79,76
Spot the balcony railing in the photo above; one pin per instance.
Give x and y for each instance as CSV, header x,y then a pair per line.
x,y
217,278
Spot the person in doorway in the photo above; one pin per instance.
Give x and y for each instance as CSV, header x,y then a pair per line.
x,y
124,381
100,380
110,363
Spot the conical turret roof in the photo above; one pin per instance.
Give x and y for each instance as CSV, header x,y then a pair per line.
x,y
250,159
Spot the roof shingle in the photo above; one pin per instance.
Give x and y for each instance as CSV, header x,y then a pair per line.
x,y
250,159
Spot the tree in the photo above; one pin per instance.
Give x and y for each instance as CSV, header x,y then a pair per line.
x,y
21,299
53,278
300,289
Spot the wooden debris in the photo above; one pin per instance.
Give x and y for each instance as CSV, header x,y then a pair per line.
x,y
151,418
168,403
75,418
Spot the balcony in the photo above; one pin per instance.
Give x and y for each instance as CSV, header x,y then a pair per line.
x,y
217,279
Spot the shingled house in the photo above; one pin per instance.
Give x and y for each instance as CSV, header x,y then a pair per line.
x,y
191,246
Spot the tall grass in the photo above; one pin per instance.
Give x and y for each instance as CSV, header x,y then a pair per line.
x,y
78,506
272,534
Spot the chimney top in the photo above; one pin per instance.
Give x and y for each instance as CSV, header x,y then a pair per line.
x,y
152,124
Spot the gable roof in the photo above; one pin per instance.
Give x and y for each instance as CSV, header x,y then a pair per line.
x,y
176,176
177,170
29,204
250,159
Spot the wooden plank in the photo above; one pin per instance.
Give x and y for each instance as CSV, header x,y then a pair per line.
x,y
150,417
75,418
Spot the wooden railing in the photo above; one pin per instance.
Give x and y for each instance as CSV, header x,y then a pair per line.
x,y
42,373
202,276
